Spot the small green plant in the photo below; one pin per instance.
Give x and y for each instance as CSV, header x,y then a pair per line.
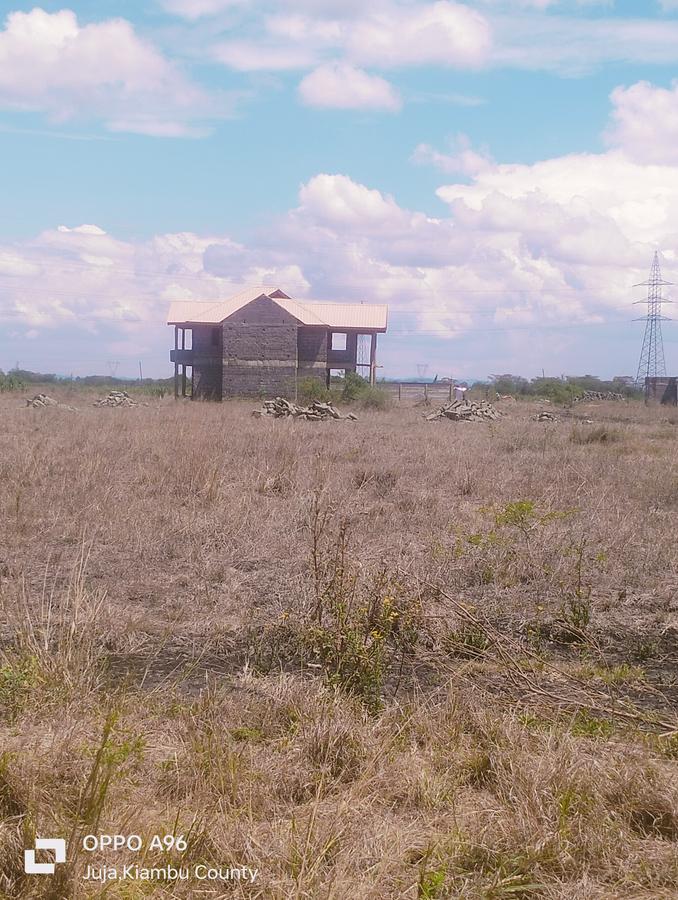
x,y
17,679
576,613
357,630
621,674
645,649
431,883
584,724
310,389
246,734
468,642
359,641
524,516
116,752
571,804
665,745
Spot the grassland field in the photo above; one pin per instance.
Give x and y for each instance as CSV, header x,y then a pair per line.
x,y
378,659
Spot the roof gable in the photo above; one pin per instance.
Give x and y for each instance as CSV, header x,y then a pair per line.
x,y
371,317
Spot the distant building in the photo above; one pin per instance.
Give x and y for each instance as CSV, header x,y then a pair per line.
x,y
261,341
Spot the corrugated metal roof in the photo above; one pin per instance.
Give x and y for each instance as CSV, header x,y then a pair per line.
x,y
212,312
371,317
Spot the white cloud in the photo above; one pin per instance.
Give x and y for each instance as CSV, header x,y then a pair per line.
x,y
386,35
340,86
546,4
442,33
340,202
197,9
575,46
552,196
462,160
645,122
251,56
52,64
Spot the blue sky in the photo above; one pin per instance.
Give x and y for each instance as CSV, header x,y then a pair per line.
x,y
499,171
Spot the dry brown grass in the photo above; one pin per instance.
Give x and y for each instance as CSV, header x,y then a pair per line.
x,y
373,659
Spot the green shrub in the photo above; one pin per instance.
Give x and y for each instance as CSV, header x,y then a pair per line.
x,y
354,385
10,382
374,398
310,389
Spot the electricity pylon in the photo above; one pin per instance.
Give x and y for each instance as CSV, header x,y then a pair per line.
x,y
652,364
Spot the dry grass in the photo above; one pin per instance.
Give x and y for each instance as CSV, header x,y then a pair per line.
x,y
373,659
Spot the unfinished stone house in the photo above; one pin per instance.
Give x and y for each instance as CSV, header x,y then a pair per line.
x,y
663,389
261,342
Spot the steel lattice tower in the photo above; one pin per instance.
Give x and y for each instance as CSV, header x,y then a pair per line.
x,y
652,364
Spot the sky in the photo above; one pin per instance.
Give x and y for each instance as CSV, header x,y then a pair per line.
x,y
500,172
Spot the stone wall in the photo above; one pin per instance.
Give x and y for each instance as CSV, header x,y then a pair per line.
x,y
260,351
312,343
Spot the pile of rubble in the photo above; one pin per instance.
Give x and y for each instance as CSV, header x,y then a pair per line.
x,y
280,408
42,401
545,417
116,398
598,395
465,411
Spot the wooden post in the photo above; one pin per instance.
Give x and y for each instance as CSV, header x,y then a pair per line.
x,y
373,358
400,387
425,391
183,380
176,364
450,395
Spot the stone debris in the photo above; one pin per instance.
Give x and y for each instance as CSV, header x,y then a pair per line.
x,y
599,395
317,411
465,411
116,398
41,401
545,417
